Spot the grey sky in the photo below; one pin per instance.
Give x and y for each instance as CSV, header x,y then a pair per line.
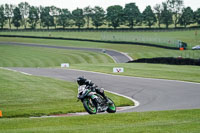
x,y
73,4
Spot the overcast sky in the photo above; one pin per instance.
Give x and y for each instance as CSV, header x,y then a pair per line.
x,y
73,4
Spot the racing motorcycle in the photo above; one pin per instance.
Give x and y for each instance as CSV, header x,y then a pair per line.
x,y
93,102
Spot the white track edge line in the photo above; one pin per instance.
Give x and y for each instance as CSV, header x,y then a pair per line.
x,y
16,71
136,103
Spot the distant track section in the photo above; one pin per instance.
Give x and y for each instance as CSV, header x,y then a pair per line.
x,y
118,57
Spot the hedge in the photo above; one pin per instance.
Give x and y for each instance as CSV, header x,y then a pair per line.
x,y
168,60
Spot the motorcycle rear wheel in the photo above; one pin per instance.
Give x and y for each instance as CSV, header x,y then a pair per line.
x,y
89,106
111,107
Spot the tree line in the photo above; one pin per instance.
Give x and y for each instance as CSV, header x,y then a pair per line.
x,y
167,13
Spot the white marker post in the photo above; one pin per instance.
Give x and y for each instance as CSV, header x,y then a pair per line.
x,y
118,70
65,65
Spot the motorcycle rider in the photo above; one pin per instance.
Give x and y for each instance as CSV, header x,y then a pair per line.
x,y
90,85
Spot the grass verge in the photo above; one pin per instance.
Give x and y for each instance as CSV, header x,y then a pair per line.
x,y
160,71
23,96
180,121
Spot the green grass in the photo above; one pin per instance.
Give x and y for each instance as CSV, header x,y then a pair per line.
x,y
134,51
180,121
186,36
160,71
23,95
20,56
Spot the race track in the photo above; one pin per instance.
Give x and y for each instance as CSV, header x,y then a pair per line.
x,y
152,94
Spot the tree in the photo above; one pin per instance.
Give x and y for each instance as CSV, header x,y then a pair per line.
x,y
2,17
158,11
9,13
46,19
197,16
54,11
175,6
132,14
187,17
17,17
33,17
78,17
88,13
166,15
39,12
24,9
64,18
149,17
98,16
115,16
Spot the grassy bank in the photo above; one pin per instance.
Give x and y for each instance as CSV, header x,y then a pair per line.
x,y
23,95
160,71
180,121
19,56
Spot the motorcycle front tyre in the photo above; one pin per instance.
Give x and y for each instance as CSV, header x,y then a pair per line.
x,y
89,106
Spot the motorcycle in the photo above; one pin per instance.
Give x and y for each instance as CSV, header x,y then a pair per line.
x,y
93,102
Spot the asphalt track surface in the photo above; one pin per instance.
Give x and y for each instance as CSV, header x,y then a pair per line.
x,y
152,94
118,57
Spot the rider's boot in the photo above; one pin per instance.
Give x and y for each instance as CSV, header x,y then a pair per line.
x,y
107,100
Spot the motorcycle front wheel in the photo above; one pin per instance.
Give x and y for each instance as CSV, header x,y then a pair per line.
x,y
89,106
111,107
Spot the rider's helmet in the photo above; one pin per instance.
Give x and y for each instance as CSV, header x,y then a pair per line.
x,y
81,81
